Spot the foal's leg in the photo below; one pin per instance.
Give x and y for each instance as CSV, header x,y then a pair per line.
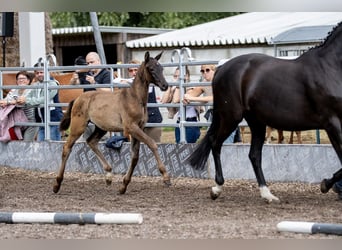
x,y
135,148
93,141
75,132
139,134
255,156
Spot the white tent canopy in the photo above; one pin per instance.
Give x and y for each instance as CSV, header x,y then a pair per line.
x,y
248,28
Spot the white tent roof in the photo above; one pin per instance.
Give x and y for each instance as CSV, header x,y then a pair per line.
x,y
248,28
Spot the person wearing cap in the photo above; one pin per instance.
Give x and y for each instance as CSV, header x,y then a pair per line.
x,y
79,76
92,76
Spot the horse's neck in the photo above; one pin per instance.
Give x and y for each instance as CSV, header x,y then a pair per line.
x,y
140,88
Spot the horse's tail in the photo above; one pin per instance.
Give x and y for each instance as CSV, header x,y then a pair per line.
x,y
65,122
199,157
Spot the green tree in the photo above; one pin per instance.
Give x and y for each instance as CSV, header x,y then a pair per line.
x,y
172,20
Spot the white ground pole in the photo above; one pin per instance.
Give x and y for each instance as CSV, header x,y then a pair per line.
x,y
70,218
309,227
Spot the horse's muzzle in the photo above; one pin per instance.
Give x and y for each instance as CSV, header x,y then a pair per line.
x,y
164,86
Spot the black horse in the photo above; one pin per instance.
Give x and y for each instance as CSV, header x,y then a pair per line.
x,y
293,95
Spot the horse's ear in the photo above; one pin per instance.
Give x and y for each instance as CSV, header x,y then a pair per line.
x,y
147,56
159,55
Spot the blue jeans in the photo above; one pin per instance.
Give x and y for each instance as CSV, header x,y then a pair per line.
x,y
191,134
55,134
230,138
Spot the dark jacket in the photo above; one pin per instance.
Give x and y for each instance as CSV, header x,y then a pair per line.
x,y
101,78
154,115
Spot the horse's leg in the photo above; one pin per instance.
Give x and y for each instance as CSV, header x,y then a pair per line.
x,y
255,156
335,135
268,134
291,137
139,134
242,131
299,137
224,130
135,148
76,131
93,141
280,136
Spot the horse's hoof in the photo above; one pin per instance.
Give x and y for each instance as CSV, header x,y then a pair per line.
x,y
324,188
213,195
56,188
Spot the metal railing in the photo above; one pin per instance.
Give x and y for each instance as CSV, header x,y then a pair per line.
x,y
184,58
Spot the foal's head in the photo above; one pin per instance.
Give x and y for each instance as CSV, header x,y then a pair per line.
x,y
153,71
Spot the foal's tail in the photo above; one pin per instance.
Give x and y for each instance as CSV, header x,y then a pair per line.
x,y
199,157
65,122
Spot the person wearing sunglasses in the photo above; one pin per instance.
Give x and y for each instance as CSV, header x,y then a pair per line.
x,y
205,94
172,95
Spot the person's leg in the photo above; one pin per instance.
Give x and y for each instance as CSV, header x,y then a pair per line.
x,y
230,138
177,134
55,134
192,134
41,134
30,133
154,133
89,130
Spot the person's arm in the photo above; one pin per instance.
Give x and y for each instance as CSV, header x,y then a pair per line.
x,y
32,98
74,79
194,95
191,98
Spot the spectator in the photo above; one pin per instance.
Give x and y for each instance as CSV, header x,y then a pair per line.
x,y
36,97
79,76
23,78
93,76
195,95
192,133
154,115
96,76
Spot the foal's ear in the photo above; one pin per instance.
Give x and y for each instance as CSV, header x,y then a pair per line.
x,y
147,56
159,55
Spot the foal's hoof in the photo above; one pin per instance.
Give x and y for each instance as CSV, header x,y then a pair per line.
x,y
324,188
122,190
167,183
109,179
56,188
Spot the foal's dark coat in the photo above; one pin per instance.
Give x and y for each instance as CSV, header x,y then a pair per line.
x,y
294,95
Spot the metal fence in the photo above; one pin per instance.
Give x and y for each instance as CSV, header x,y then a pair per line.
x,y
180,58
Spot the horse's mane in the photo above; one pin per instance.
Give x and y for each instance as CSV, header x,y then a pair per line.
x,y
331,33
